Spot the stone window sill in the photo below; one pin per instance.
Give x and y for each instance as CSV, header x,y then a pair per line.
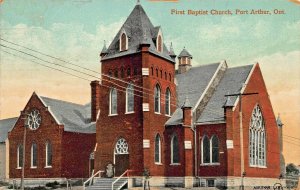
x,y
210,164
48,166
175,164
158,163
257,166
18,168
115,114
129,112
33,167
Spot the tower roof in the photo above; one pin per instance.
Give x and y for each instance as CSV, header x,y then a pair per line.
x,y
104,49
171,52
137,27
185,53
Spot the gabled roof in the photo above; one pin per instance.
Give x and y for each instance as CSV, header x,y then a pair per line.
x,y
6,126
137,27
74,117
232,83
192,84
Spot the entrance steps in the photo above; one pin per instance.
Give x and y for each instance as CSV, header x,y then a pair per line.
x,y
106,184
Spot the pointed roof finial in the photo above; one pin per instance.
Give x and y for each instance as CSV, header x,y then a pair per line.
x,y
278,121
186,103
171,52
138,2
104,49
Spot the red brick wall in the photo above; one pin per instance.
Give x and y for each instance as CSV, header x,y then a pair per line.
x,y
76,149
209,130
174,170
48,130
139,125
68,149
256,84
127,126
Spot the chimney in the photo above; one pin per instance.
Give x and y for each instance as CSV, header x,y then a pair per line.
x,y
185,61
95,99
187,113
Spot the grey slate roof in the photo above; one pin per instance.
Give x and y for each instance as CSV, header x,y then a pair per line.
x,y
192,83
136,27
185,53
232,82
6,126
74,117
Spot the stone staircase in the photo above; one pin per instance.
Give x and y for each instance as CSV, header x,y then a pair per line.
x,y
106,184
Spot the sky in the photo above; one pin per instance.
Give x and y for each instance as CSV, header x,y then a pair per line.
x,y
75,30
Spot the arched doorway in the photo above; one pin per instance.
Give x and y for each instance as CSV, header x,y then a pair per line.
x,y
121,157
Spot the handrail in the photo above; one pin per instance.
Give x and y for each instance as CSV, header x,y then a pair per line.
x,y
121,176
92,177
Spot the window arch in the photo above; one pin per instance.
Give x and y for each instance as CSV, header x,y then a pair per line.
x,y
167,103
156,72
157,99
257,139
33,155
48,154
116,73
121,147
113,101
20,156
166,78
170,77
157,149
175,157
205,150
161,73
214,149
123,42
122,72
152,71
130,98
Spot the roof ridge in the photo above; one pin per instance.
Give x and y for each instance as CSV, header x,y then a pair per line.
x,y
10,118
64,101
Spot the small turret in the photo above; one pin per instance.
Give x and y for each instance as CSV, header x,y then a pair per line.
x,y
185,61
171,52
104,50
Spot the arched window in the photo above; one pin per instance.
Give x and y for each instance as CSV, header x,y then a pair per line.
x,y
129,99
20,156
135,71
214,149
121,147
159,43
48,154
168,100
128,72
166,78
157,149
257,139
122,72
33,155
152,71
205,150
123,42
175,158
170,77
161,74
156,72
157,99
116,74
113,101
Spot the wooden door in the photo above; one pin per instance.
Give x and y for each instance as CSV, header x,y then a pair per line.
x,y
121,163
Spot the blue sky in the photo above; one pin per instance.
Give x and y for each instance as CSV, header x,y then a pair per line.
x,y
74,30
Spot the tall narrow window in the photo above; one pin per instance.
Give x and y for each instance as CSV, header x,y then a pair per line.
x,y
128,72
113,102
167,104
205,150
157,149
20,156
157,99
257,139
215,149
33,155
129,98
156,72
175,159
48,154
152,71
122,72
123,42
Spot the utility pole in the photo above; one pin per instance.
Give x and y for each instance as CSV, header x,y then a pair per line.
x,y
24,143
243,173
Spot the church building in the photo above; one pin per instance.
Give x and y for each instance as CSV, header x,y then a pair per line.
x,y
211,125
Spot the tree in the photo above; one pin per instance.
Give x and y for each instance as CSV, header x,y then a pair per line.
x,y
291,169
